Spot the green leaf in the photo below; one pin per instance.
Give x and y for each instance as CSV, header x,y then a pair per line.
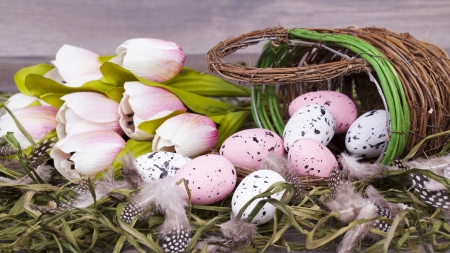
x,y
115,93
51,91
231,123
116,75
150,126
105,58
134,147
53,99
21,75
196,103
97,85
206,85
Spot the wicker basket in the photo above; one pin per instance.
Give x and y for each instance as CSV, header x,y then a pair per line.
x,y
377,68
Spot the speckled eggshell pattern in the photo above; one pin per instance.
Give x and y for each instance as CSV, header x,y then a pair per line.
x,y
210,179
340,105
310,157
367,135
311,121
253,184
247,148
157,165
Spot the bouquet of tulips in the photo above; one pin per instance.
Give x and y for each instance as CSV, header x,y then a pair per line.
x,y
74,123
96,108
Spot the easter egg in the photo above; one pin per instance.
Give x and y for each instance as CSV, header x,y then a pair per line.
x,y
253,184
311,121
156,165
310,157
247,148
210,178
340,105
366,137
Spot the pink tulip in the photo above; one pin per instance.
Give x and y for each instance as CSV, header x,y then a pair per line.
x,y
152,59
75,66
86,112
86,154
20,100
142,103
187,134
37,120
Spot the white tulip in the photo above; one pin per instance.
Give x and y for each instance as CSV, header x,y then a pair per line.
x,y
86,154
141,103
20,100
188,134
152,59
75,66
37,120
86,112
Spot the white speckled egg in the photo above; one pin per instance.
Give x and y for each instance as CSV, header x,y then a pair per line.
x,y
310,157
311,121
247,148
210,178
340,105
156,165
367,135
253,184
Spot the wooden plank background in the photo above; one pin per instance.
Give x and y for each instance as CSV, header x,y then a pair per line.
x,y
31,32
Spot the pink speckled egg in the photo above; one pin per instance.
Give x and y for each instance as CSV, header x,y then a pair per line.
x,y
310,157
340,105
210,178
247,148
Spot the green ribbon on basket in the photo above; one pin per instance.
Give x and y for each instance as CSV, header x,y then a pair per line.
x,y
390,83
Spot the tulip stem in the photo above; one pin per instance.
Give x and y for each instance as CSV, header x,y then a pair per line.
x,y
21,128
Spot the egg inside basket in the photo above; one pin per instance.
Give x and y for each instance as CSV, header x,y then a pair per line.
x,y
376,68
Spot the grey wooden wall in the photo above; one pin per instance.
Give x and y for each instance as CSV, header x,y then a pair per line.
x,y
32,31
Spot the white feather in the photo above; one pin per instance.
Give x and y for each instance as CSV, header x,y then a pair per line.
x,y
357,169
356,233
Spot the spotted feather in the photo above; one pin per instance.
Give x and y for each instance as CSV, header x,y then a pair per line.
x,y
39,155
175,240
399,164
336,181
439,199
131,210
381,225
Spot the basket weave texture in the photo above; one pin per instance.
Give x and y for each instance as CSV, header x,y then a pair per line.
x,y
377,68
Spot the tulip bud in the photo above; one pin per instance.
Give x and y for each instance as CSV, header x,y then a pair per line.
x,y
75,66
20,100
37,120
151,59
187,134
86,154
141,103
86,112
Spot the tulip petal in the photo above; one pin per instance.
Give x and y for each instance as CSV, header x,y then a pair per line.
x,y
77,65
17,101
152,59
189,134
92,106
142,103
62,164
97,160
37,120
55,76
70,123
91,152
